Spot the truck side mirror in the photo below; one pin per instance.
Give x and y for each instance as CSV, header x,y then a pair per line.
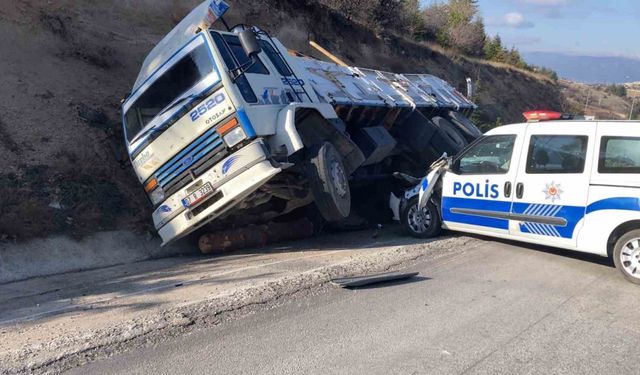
x,y
249,43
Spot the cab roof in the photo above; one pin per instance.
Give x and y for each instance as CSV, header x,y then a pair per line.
x,y
172,42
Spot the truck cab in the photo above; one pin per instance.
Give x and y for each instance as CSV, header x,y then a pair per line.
x,y
568,184
212,117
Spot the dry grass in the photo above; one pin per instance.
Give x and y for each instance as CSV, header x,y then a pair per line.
x,y
596,100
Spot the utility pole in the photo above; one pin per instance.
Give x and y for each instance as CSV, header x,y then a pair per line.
x,y
633,103
586,105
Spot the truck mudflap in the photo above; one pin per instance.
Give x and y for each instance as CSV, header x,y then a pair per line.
x,y
231,181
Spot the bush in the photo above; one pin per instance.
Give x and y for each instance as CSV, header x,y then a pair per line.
x,y
398,15
455,24
618,90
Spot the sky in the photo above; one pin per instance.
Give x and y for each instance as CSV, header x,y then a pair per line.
x,y
577,27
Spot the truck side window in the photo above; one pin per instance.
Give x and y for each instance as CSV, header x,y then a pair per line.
x,y
243,84
491,155
242,58
277,61
557,154
619,155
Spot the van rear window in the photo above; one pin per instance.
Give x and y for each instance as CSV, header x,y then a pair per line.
x,y
557,154
619,155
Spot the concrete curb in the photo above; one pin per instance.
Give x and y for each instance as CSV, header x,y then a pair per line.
x,y
60,254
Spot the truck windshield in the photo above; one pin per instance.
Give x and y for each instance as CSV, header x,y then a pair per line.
x,y
177,80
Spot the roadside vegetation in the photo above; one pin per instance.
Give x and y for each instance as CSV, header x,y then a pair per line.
x,y
618,90
615,102
455,25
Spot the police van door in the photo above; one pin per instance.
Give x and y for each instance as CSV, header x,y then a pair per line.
x,y
478,188
553,182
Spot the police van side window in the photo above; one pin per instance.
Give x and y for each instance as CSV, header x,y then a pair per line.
x,y
491,155
619,155
557,154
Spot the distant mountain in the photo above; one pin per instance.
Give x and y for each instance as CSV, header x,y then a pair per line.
x,y
588,69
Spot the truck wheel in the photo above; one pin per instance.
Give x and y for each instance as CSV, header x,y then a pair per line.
x,y
451,138
329,182
418,223
468,129
626,256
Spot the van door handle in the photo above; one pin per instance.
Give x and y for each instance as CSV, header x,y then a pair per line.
x,y
519,190
507,189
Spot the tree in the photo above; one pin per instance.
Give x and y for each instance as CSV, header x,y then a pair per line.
x,y
493,49
351,9
457,25
435,18
619,90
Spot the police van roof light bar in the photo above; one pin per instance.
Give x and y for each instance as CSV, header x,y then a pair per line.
x,y
537,116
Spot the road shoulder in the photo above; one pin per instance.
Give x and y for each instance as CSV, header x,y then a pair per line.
x,y
46,321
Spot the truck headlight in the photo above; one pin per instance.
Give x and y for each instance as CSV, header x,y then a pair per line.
x,y
156,196
235,136
155,192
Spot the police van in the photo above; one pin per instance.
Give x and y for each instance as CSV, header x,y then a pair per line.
x,y
568,184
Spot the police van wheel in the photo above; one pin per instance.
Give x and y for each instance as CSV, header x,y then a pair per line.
x,y
329,182
420,223
626,256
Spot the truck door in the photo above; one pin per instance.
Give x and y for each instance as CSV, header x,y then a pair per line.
x,y
478,189
267,79
553,182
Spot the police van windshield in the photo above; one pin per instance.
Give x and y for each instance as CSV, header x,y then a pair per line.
x,y
181,77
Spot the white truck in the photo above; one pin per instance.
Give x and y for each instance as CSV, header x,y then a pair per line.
x,y
221,124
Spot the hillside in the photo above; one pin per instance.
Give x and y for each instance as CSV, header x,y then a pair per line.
x,y
594,100
66,65
588,69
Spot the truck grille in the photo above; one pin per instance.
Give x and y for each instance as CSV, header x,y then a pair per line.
x,y
195,159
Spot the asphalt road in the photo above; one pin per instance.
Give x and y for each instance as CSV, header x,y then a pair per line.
x,y
498,308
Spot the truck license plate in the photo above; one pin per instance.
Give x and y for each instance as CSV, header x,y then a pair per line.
x,y
197,196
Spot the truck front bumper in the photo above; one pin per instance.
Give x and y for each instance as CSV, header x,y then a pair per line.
x,y
233,179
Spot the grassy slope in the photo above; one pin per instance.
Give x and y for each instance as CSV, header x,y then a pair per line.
x,y
66,64
597,101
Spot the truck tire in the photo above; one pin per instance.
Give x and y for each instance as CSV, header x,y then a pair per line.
x,y
423,223
626,256
449,139
468,129
329,182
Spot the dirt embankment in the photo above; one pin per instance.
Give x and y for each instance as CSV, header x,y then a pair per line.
x,y
66,64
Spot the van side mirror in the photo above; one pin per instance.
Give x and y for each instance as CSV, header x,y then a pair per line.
x,y
249,43
454,167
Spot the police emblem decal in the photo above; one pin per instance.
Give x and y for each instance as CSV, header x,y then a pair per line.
x,y
552,192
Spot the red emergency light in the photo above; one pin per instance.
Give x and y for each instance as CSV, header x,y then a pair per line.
x,y
545,116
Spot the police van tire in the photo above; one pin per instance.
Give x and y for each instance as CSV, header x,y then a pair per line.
x,y
451,140
425,224
626,255
468,129
329,182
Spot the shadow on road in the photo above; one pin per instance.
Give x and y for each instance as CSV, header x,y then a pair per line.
x,y
389,284
587,257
